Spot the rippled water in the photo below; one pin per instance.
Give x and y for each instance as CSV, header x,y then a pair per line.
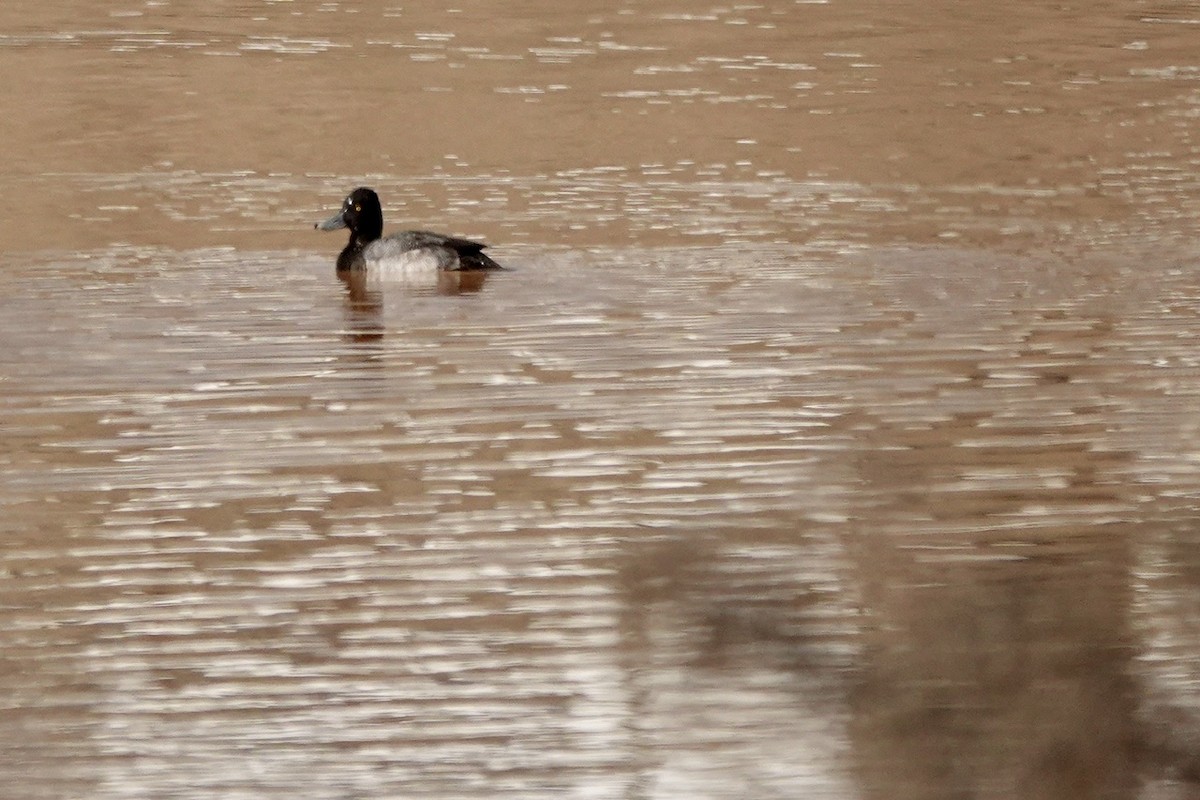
x,y
831,433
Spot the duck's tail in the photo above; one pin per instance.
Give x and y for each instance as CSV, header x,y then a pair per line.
x,y
476,260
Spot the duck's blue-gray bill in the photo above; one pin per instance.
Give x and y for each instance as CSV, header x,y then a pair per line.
x,y
333,223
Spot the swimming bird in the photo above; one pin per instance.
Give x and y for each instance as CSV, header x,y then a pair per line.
x,y
403,252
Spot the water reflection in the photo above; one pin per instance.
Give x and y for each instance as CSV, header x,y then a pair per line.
x,y
736,644
785,530
743,484
1164,617
997,650
364,307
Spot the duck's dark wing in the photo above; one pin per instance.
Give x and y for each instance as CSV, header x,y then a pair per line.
x,y
470,254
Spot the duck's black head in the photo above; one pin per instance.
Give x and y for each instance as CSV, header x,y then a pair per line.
x,y
363,215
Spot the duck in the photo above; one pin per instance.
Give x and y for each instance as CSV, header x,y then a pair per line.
x,y
403,252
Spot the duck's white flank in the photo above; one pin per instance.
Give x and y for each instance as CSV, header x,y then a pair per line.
x,y
386,260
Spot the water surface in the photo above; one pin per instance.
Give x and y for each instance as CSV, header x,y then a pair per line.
x,y
830,435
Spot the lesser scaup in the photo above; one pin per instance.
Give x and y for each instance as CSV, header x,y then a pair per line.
x,y
407,251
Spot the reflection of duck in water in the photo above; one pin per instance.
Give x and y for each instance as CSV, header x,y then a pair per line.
x,y
402,255
364,308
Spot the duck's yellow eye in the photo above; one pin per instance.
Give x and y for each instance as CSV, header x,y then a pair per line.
x,y
358,208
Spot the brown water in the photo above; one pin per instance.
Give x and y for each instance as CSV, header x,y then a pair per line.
x,y
833,435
